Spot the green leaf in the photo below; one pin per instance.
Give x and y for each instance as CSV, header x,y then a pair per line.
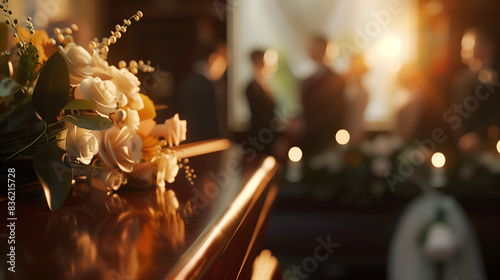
x,y
52,89
89,122
54,175
22,117
9,87
80,104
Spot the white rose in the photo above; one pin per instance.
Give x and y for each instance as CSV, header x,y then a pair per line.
x,y
105,180
132,118
78,61
167,169
81,144
128,84
174,130
120,147
101,93
100,67
126,116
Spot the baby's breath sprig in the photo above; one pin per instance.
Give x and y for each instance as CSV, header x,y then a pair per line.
x,y
135,67
102,48
13,23
189,172
27,52
64,34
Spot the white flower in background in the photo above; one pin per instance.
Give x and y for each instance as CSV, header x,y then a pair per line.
x,y
81,144
128,84
120,147
167,169
78,61
174,130
101,93
441,243
126,116
105,180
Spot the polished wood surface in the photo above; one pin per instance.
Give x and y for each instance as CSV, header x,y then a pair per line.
x,y
181,232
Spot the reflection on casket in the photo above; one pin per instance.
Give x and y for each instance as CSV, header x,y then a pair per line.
x,y
145,233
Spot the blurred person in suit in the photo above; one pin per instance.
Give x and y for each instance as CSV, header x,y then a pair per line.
x,y
260,99
198,100
475,91
323,101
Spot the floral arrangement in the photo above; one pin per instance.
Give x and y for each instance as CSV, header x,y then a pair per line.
x,y
76,116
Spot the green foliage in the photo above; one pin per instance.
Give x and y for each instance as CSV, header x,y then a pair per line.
x,y
54,175
28,65
80,104
89,122
51,91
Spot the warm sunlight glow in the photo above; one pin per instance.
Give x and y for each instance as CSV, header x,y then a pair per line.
x,y
200,148
438,160
295,154
342,137
498,146
390,47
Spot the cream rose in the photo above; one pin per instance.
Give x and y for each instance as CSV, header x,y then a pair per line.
x,y
100,67
81,144
167,169
101,93
120,147
174,130
128,84
126,117
78,61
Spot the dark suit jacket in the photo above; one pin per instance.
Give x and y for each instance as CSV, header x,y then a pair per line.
x,y
261,107
324,107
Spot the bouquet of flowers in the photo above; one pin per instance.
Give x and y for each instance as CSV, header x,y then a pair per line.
x,y
76,116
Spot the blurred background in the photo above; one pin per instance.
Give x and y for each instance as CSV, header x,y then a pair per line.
x,y
408,148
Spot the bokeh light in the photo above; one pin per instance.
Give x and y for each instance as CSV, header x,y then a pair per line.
x,y
295,154
438,160
390,47
342,137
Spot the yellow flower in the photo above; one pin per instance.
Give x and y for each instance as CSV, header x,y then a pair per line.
x,y
148,112
40,40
